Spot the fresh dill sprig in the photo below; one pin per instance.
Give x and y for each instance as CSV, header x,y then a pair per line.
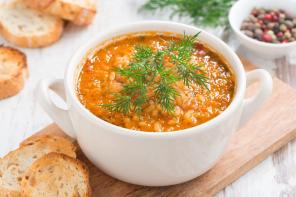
x,y
210,13
164,91
121,104
180,53
147,73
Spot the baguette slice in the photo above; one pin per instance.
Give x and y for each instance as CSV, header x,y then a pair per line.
x,y
26,27
13,70
80,12
50,138
56,175
9,193
14,165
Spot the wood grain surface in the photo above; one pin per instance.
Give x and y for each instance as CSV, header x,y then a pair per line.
x,y
271,128
21,116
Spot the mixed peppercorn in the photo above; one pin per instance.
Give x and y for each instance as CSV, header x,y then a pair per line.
x,y
270,25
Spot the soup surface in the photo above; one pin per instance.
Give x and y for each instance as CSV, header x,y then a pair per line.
x,y
98,83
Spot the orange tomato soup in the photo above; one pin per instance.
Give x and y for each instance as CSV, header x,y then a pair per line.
x,y
98,81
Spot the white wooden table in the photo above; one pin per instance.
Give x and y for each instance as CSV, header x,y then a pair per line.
x,y
21,116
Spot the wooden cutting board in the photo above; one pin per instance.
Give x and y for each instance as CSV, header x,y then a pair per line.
x,y
270,128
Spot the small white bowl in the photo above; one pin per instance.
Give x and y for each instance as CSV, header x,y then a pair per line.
x,y
241,10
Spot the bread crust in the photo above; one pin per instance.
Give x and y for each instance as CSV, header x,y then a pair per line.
x,y
9,193
68,142
39,4
15,164
15,83
78,14
34,41
52,159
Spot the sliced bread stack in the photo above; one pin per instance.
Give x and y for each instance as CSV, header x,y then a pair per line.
x,y
35,23
80,12
26,27
13,70
56,175
44,166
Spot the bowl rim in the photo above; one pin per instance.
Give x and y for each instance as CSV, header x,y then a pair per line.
x,y
70,86
247,38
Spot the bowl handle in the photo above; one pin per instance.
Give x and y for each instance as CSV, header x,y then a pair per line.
x,y
59,115
252,104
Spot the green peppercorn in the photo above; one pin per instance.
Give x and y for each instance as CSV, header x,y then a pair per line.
x,y
270,25
282,17
261,11
294,22
270,32
274,38
257,25
283,27
287,35
261,16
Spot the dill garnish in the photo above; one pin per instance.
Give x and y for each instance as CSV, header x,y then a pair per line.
x,y
210,13
147,77
185,69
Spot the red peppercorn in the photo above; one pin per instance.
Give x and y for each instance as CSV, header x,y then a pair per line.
x,y
260,22
264,28
272,13
275,18
266,37
288,30
280,34
254,14
285,41
268,17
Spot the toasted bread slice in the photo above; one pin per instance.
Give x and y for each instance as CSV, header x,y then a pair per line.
x,y
56,175
13,70
9,193
80,12
14,165
50,138
26,27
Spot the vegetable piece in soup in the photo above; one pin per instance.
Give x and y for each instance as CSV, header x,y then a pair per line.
x,y
155,82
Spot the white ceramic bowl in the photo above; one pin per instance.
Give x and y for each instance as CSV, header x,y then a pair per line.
x,y
241,10
145,158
